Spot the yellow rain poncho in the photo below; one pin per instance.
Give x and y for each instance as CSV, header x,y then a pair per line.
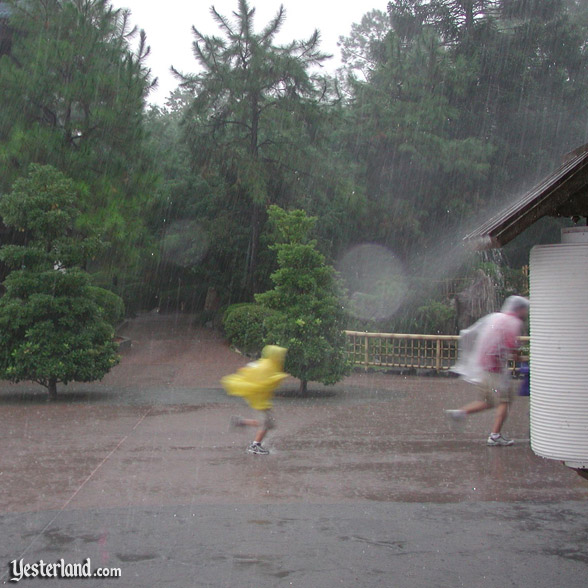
x,y
257,381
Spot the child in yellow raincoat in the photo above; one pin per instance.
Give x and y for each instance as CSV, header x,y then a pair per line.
x,y
256,383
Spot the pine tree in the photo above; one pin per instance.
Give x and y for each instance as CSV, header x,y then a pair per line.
x,y
420,169
73,92
252,103
309,319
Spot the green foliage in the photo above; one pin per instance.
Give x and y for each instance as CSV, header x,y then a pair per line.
x,y
362,50
254,127
54,324
245,326
447,107
442,109
405,131
437,318
42,207
375,303
42,203
73,91
110,304
178,296
308,317
293,226
453,104
51,329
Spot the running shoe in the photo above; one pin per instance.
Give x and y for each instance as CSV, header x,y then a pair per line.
x,y
257,449
499,441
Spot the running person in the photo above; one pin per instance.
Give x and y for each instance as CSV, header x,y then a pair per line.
x,y
485,350
256,383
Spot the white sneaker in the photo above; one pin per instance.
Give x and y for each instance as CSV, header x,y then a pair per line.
x,y
456,419
499,441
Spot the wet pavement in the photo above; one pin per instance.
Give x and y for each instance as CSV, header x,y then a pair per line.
x,y
366,485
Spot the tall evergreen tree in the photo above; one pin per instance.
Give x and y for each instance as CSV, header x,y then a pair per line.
x,y
528,96
420,169
252,113
460,101
73,91
364,48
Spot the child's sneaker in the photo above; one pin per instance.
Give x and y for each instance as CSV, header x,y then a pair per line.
x,y
257,449
498,440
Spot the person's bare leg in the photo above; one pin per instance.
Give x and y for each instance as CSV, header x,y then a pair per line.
x,y
249,422
501,414
475,406
260,435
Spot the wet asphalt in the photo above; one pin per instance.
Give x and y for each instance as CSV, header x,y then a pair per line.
x,y
366,485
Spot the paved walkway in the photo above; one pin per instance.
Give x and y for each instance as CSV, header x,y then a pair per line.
x,y
365,485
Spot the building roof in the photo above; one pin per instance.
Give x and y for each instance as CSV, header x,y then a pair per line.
x,y
562,193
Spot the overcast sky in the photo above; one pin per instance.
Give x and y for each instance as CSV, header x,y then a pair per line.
x,y
168,27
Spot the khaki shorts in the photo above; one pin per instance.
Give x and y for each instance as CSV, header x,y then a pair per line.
x,y
495,389
266,418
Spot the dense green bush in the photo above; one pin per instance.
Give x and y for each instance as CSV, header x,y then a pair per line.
x,y
245,326
137,294
429,317
111,305
436,318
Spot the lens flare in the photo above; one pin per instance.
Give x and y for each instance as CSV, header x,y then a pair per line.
x,y
375,281
185,243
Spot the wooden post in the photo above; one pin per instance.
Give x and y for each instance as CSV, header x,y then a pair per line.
x,y
367,354
438,362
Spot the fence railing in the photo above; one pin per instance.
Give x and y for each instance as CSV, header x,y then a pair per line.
x,y
396,350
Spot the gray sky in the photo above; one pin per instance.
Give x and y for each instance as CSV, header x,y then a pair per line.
x,y
168,27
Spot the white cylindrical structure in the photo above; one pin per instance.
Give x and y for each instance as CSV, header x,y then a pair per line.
x,y
577,235
559,349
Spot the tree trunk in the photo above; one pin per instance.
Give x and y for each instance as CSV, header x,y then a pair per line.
x,y
253,248
303,387
256,211
52,388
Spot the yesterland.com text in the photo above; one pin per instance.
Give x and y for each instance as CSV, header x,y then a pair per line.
x,y
20,570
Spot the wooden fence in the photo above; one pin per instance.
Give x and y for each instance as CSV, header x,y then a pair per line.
x,y
395,350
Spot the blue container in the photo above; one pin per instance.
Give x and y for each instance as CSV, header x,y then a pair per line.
x,y
525,388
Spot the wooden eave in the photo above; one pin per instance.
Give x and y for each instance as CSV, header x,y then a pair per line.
x,y
563,193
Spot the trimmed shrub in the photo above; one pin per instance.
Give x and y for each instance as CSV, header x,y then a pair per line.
x,y
111,305
245,326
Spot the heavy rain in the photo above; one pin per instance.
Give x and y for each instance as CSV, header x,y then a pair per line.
x,y
293,293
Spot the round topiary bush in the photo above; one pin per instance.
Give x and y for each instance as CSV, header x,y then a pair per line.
x,y
111,305
245,326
